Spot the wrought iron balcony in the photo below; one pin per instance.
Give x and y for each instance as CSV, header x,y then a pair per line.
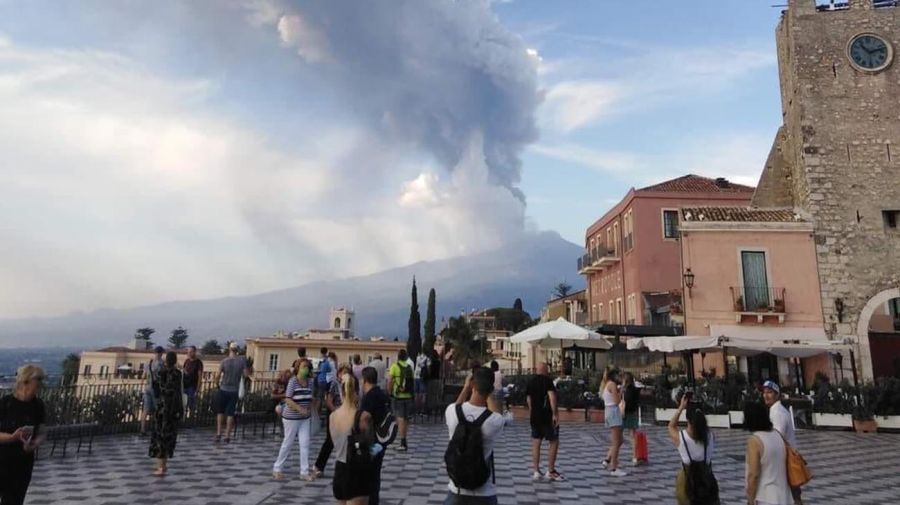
x,y
596,259
758,301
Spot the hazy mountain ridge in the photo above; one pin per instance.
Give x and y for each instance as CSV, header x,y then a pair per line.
x,y
527,269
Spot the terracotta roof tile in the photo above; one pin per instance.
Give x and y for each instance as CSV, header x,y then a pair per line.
x,y
739,214
696,184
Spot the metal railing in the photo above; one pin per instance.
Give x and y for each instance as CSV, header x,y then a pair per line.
x,y
116,407
595,255
758,299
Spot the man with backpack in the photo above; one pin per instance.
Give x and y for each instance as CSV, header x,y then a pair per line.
x,y
375,412
474,426
401,384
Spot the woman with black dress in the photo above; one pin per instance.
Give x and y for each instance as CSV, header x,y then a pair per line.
x,y
21,418
167,390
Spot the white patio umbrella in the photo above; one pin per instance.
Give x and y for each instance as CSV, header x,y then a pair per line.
x,y
560,334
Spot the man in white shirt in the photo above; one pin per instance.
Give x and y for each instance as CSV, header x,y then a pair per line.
x,y
423,363
477,390
381,369
782,422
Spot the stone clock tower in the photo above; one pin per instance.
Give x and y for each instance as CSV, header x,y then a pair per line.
x,y
836,159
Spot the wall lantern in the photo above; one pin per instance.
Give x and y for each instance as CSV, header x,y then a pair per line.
x,y
689,280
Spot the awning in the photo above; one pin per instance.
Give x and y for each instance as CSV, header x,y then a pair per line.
x,y
768,333
738,346
673,344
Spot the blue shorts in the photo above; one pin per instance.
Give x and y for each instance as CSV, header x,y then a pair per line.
x,y
613,416
226,402
191,397
149,402
420,387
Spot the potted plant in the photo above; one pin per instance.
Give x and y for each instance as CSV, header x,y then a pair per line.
x,y
739,304
832,406
736,395
664,395
762,306
886,403
864,419
711,394
779,305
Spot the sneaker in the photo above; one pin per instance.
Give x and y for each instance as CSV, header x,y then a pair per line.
x,y
277,476
604,463
618,473
555,476
536,476
635,462
402,448
308,477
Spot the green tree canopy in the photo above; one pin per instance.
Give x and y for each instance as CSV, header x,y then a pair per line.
x,y
70,367
460,337
414,338
510,319
562,289
211,347
178,338
428,341
145,334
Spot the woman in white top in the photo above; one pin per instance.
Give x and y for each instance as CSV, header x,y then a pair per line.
x,y
609,389
766,471
692,443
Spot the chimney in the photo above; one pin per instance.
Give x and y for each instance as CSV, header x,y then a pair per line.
x,y
722,182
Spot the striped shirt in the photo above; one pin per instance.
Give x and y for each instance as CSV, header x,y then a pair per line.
x,y
302,396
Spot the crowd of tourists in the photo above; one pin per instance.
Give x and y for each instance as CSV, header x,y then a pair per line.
x,y
367,410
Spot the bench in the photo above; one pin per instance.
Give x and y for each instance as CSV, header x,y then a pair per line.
x,y
62,433
260,419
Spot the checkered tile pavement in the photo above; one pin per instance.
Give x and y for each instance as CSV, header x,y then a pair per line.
x,y
848,467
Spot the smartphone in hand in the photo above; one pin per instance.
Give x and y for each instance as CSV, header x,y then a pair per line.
x,y
27,433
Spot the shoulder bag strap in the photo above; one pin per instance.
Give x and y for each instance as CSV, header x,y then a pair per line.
x,y
460,416
482,418
688,451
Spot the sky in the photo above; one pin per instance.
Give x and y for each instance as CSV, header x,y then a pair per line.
x,y
159,151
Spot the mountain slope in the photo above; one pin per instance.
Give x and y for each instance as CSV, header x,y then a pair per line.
x,y
527,269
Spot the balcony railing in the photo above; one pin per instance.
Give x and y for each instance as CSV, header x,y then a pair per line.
x,y
759,301
596,259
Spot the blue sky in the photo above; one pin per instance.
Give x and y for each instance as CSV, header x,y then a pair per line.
x,y
162,150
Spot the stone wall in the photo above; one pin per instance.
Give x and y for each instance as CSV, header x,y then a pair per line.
x,y
842,143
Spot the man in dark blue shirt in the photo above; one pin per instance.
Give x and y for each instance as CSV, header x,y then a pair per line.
x,y
374,407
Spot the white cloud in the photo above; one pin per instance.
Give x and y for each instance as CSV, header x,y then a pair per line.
x,y
571,105
604,161
583,92
308,40
738,156
122,186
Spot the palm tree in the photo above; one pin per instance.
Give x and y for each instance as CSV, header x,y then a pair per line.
x,y
461,337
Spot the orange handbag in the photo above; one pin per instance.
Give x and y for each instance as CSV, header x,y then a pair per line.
x,y
798,472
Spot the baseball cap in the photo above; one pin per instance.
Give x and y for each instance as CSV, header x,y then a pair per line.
x,y
772,385
158,349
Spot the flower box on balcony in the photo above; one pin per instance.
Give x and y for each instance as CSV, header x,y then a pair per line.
x,y
822,420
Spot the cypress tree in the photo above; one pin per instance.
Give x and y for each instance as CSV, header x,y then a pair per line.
x,y
428,343
414,339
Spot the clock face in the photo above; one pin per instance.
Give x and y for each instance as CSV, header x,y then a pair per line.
x,y
870,52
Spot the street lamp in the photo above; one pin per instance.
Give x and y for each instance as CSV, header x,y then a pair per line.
x,y
689,280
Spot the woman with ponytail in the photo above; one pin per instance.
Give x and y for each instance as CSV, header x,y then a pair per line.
x,y
353,468
695,483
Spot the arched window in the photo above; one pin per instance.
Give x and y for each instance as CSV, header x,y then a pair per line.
x,y
337,322
348,322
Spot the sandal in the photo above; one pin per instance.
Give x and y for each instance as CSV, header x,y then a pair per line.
x,y
277,476
159,472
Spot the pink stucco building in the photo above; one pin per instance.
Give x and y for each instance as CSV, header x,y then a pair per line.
x,y
632,258
754,277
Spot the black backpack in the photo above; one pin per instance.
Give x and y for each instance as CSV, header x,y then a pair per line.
x,y
407,381
702,488
464,458
387,429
